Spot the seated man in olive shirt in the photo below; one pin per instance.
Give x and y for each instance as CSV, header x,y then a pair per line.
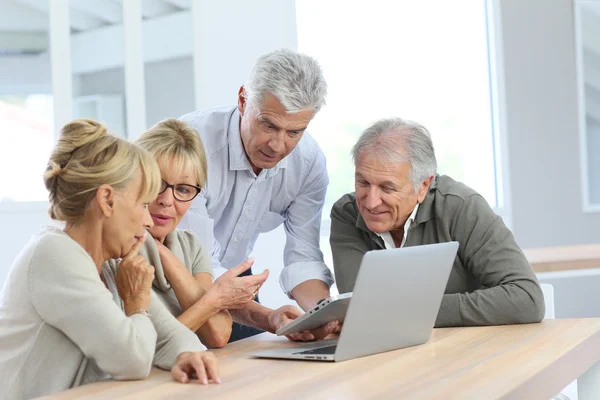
x,y
401,201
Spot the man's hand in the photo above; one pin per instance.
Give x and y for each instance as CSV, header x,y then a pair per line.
x,y
308,293
286,314
200,365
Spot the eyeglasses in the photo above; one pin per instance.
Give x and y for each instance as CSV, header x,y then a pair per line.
x,y
181,191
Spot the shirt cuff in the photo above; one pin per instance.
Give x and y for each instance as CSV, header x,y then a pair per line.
x,y
294,274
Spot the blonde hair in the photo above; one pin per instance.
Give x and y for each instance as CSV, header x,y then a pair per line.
x,y
174,142
86,157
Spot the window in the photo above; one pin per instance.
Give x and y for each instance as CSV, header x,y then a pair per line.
x,y
425,61
26,123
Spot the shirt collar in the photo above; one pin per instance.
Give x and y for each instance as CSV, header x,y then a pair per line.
x,y
407,224
238,160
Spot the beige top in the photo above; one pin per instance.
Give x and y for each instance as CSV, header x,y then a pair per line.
x,y
61,327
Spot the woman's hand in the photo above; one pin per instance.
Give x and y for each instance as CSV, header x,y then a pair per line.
x,y
134,280
199,365
231,291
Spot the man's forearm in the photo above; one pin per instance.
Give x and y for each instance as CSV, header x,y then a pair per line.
x,y
308,293
500,305
253,314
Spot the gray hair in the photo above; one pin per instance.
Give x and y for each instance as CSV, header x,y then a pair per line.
x,y
295,79
394,140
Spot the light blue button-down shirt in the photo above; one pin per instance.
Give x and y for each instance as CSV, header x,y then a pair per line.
x,y
237,205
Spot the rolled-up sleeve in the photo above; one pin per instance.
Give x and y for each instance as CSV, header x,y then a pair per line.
x,y
302,256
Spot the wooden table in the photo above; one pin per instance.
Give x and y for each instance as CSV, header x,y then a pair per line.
x,y
564,258
511,362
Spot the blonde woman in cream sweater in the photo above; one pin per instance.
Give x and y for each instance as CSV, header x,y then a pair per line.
x,y
64,321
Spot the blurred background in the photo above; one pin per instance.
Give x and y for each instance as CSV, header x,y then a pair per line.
x,y
510,91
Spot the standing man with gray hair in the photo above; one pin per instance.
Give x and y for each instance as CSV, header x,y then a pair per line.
x,y
400,201
264,170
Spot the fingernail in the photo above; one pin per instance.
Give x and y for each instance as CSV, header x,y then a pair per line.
x,y
250,259
217,380
204,381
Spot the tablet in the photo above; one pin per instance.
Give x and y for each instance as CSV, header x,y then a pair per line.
x,y
331,309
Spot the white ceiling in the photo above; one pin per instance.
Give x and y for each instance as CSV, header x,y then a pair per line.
x,y
24,23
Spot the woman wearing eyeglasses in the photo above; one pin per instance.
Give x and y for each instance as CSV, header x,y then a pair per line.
x,y
183,267
64,320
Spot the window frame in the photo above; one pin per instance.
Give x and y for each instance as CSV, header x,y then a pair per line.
x,y
12,207
503,197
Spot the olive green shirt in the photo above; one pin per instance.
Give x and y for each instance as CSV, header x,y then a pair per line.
x,y
491,282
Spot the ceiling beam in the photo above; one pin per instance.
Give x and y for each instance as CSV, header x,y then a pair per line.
x,y
154,8
183,4
107,11
165,37
78,20
18,17
25,42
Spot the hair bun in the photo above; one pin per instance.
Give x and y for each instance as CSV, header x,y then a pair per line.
x,y
53,170
80,132
73,136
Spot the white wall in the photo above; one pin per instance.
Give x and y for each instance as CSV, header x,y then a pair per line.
x,y
169,87
542,124
19,223
593,154
575,292
22,74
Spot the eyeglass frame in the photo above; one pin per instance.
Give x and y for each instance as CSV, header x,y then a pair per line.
x,y
172,187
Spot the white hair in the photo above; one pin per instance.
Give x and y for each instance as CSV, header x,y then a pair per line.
x,y
394,140
295,79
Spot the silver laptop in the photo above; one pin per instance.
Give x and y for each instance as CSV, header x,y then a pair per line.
x,y
395,302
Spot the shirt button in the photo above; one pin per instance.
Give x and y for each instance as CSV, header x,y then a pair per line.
x,y
246,212
235,239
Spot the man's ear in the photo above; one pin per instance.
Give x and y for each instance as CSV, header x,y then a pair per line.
x,y
424,189
105,198
242,100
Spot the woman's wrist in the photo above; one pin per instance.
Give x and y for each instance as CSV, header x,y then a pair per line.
x,y
141,302
140,311
211,301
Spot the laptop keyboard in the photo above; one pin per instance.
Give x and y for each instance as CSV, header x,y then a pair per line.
x,y
320,350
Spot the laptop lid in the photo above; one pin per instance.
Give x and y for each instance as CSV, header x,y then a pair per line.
x,y
396,299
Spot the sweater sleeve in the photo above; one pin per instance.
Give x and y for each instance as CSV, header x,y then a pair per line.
x,y
511,293
173,339
347,246
67,292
